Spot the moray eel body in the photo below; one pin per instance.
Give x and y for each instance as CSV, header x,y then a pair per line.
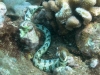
x,y
42,64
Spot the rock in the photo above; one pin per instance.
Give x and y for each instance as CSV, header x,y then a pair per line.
x,y
88,40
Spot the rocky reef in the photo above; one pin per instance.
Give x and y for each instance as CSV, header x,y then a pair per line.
x,y
74,26
88,39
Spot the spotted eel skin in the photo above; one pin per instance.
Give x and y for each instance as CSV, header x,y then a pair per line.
x,y
42,64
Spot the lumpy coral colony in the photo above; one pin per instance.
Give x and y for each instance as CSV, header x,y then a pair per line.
x,y
67,12
65,16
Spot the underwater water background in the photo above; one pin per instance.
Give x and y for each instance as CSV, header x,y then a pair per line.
x,y
74,27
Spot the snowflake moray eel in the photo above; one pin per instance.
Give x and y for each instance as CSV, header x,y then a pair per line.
x,y
42,64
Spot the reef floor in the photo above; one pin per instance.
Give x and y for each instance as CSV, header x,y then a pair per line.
x,y
20,63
